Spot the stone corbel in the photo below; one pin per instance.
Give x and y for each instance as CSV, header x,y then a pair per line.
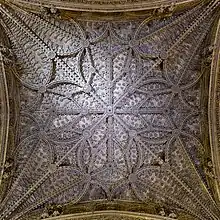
x,y
52,211
165,11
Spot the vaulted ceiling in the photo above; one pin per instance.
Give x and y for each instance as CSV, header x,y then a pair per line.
x,y
109,115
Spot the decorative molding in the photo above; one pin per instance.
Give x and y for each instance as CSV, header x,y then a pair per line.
x,y
104,5
109,215
214,112
4,106
59,70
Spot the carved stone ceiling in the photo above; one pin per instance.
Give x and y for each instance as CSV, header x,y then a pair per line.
x,y
109,111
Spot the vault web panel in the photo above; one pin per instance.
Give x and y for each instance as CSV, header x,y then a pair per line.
x,y
109,110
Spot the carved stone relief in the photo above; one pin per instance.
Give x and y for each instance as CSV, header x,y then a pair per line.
x,y
109,111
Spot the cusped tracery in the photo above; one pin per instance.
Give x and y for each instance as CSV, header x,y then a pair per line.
x,y
109,110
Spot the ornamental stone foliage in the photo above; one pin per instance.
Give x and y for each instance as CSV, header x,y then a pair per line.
x,y
109,111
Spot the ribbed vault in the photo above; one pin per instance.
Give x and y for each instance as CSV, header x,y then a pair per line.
x,y
108,112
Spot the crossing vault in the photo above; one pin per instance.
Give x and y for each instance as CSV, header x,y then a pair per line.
x,y
109,109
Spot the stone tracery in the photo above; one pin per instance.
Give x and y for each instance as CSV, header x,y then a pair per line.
x,y
109,106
